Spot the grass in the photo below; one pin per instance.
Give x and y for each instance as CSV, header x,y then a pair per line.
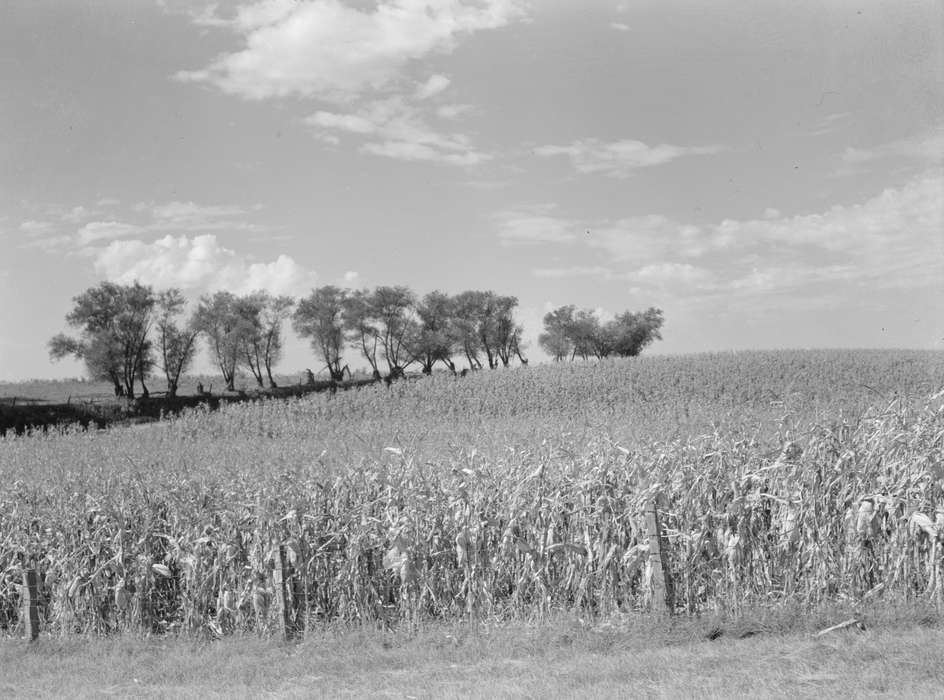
x,y
631,656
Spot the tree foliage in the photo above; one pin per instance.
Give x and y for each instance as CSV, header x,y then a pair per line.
x,y
177,343
320,317
573,332
114,323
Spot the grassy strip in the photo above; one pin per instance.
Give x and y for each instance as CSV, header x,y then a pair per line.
x,y
770,653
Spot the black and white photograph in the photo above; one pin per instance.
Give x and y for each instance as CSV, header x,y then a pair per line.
x,y
471,348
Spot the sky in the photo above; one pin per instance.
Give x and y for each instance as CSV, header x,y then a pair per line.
x,y
769,174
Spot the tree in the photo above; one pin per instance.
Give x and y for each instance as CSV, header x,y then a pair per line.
x,y
177,344
435,339
569,331
392,309
556,338
261,343
502,332
633,332
320,316
225,323
115,322
360,327
467,314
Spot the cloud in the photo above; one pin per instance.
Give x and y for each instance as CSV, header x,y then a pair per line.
x,y
620,159
333,51
188,216
399,131
576,271
452,111
198,263
891,240
352,123
97,231
924,148
671,272
36,228
534,225
435,85
619,26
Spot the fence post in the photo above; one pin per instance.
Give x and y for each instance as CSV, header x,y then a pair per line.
x,y
30,596
289,598
662,589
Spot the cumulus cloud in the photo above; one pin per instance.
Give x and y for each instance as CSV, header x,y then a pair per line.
x,y
331,50
198,263
620,159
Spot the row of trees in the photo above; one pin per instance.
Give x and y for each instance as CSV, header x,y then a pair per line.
x,y
571,332
391,325
126,333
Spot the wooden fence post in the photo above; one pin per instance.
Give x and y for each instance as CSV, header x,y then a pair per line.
x,y
289,597
30,596
663,598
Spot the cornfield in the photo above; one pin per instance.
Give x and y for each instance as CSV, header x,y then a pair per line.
x,y
800,477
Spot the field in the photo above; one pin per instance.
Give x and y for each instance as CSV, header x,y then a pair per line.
x,y
789,481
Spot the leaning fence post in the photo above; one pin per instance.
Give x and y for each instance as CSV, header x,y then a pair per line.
x,y
30,596
662,589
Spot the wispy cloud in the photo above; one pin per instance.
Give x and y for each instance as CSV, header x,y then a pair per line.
x,y
925,148
620,159
531,225
597,271
619,26
395,128
106,231
891,240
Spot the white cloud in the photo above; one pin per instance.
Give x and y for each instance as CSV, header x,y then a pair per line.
x,y
620,158
199,263
418,151
97,231
353,123
671,272
535,225
435,85
891,240
400,132
927,148
452,111
619,26
575,271
36,228
330,50
188,216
